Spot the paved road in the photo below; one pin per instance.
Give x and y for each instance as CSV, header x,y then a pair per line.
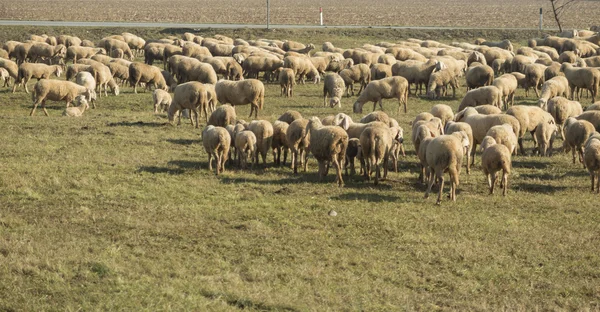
x,y
200,26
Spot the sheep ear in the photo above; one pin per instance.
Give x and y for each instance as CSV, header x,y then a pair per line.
x,y
345,123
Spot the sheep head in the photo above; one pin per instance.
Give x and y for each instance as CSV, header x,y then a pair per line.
x,y
487,142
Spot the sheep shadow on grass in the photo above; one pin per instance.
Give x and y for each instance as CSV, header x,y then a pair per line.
x,y
156,170
372,198
537,188
136,124
529,164
184,141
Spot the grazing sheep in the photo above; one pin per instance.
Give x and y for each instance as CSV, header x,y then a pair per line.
x,y
298,138
36,70
438,81
222,116
556,86
504,134
534,77
57,90
148,74
245,144
387,88
495,157
583,78
443,112
451,127
545,134
249,91
560,108
576,134
216,142
445,153
416,72
376,143
591,157
507,84
592,116
161,99
380,71
333,85
11,67
87,80
290,116
264,137
287,80
279,142
529,118
328,145
377,116
552,71
357,73
479,76
190,95
77,52
488,109
504,44
77,111
482,96
420,135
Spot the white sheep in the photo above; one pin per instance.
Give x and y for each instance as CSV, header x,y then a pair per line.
x,y
328,145
453,126
162,99
216,142
376,143
245,144
560,108
556,86
443,112
139,72
482,96
387,88
222,116
504,134
287,82
264,137
279,142
545,134
57,90
576,134
298,138
583,78
38,71
77,111
445,153
507,84
495,157
333,85
190,95
529,118
248,91
591,157
87,80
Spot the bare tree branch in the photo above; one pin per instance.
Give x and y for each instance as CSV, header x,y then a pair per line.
x,y
558,7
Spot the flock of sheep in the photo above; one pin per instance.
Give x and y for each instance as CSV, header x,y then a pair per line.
x,y
558,69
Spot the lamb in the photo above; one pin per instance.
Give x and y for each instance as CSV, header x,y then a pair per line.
x,y
479,76
190,95
328,145
560,108
443,112
445,153
534,76
216,142
481,96
290,116
77,111
140,72
376,143
576,134
556,86
333,85
245,144
279,141
438,82
249,91
584,78
504,134
287,80
87,80
529,118
591,157
545,134
451,127
507,84
222,116
36,70
356,73
495,157
57,90
298,138
161,99
376,91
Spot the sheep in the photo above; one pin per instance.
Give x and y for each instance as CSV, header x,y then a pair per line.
x,y
190,95
576,134
545,134
534,76
298,138
591,157
480,124
451,127
11,67
595,106
249,91
287,81
487,109
519,62
356,73
376,143
87,80
438,82
290,116
507,84
560,108
354,150
445,153
279,141
57,90
415,72
263,130
443,112
77,52
433,128
592,116
252,65
140,72
36,70
245,144
556,86
328,145
521,79
481,96
77,111
504,134
377,116
420,135
479,76
216,142
222,116
161,99
380,71
44,50
504,44
495,157
376,91
529,118
584,78
333,85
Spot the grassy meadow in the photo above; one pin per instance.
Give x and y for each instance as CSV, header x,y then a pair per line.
x,y
117,211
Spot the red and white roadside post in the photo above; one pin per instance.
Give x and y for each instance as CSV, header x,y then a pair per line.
x,y
321,15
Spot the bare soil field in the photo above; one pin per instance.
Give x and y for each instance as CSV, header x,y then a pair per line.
x,y
447,13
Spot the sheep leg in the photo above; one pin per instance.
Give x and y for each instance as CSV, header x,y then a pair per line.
x,y
285,155
440,178
304,159
504,182
376,173
294,165
473,154
430,181
597,181
338,172
321,169
580,152
493,182
520,140
209,161
218,163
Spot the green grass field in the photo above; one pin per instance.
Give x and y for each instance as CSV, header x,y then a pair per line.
x,y
118,211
